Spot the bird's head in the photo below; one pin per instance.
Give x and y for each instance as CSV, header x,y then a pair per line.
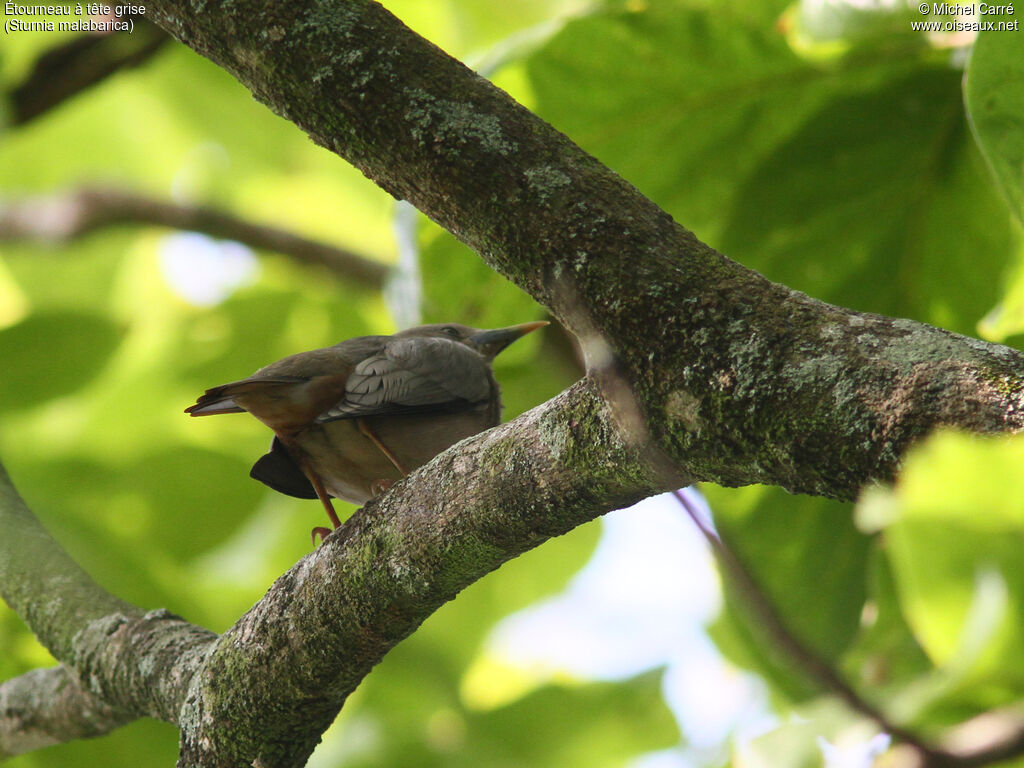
x,y
487,342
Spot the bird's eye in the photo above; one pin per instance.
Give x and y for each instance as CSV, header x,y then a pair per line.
x,y
451,332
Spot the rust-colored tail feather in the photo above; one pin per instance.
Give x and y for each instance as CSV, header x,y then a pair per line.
x,y
219,399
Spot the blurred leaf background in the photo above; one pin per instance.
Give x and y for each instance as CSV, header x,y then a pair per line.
x,y
825,145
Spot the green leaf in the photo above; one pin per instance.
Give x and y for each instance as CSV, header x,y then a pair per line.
x,y
457,284
841,180
885,654
954,534
682,102
994,94
893,171
180,478
612,722
463,28
1004,323
809,563
51,354
589,725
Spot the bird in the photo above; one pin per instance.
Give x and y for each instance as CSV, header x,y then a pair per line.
x,y
352,419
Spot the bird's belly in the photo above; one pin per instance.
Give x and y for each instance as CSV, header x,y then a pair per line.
x,y
353,468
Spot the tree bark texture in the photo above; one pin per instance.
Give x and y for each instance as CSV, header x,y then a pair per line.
x,y
699,369
739,380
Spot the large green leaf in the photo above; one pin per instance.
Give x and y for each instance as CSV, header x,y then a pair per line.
x,y
885,654
51,354
954,531
685,103
994,94
457,284
853,180
901,219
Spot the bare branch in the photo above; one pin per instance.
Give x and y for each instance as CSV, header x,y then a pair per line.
x,y
80,63
48,706
58,218
138,664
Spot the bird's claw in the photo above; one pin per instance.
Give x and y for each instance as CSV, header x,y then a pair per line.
x,y
320,531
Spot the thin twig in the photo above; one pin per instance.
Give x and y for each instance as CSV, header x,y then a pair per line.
x,y
803,657
1002,740
62,217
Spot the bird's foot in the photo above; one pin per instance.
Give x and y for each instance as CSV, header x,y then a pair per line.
x,y
378,487
320,531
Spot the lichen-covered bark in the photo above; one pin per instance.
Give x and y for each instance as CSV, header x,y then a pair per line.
x,y
49,706
118,662
280,675
699,369
739,380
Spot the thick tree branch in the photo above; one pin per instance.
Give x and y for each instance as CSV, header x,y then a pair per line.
x,y
49,706
280,675
265,691
739,380
137,664
58,218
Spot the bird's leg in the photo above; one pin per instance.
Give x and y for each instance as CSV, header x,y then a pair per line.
x,y
365,429
325,499
303,461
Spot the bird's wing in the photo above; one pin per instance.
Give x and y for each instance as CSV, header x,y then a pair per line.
x,y
414,374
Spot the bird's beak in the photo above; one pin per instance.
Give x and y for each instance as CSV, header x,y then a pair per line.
x,y
490,343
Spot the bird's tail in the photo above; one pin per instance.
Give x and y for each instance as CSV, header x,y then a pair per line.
x,y
221,399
